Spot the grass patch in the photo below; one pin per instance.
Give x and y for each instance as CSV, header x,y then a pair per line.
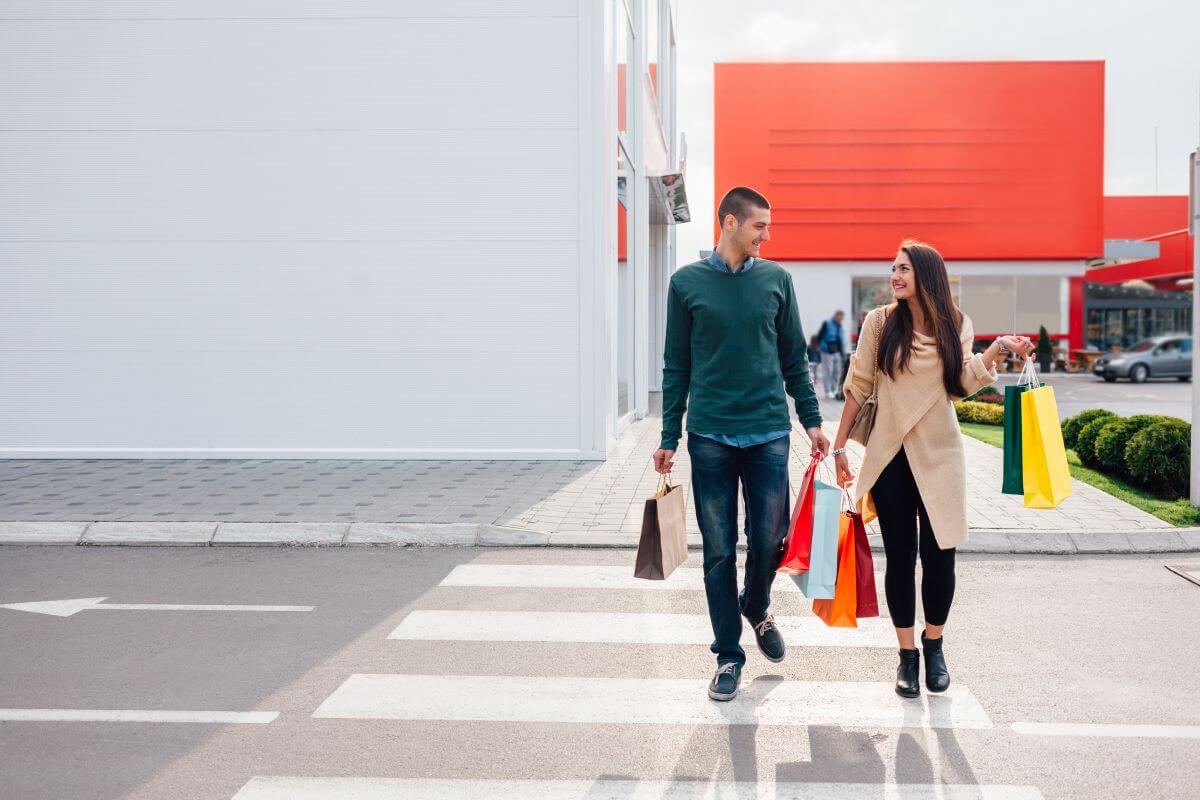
x,y
1177,512
988,434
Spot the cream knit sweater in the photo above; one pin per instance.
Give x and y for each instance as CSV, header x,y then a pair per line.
x,y
916,412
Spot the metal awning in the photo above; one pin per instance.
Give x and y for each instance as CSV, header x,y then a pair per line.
x,y
1124,251
669,201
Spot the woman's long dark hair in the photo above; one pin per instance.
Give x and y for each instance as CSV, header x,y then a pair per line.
x,y
941,315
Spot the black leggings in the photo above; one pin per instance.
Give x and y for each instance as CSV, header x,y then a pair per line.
x,y
898,503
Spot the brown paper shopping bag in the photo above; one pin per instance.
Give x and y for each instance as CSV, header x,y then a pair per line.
x,y
663,545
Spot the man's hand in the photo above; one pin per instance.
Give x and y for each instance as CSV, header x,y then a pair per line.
x,y
819,443
664,461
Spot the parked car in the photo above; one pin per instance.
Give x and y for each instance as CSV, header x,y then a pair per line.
x,y
1158,357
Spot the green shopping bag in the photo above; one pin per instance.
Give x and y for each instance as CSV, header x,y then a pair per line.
x,y
1014,480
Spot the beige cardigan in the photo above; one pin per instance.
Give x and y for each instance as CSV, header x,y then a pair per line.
x,y
916,412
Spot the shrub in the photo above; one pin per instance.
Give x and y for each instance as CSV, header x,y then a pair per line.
x,y
1085,442
1114,438
982,413
987,395
1072,425
1159,458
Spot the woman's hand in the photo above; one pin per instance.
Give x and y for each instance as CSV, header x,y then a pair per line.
x,y
841,463
1021,346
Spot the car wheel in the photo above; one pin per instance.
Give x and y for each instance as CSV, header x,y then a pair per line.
x,y
1184,378
1139,373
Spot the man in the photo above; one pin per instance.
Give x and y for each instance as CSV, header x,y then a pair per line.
x,y
734,343
833,353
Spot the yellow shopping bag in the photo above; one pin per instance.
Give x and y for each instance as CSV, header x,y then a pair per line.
x,y
1043,456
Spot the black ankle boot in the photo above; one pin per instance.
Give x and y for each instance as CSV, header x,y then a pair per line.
x,y
908,677
937,677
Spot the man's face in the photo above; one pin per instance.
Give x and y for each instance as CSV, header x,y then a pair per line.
x,y
838,317
749,235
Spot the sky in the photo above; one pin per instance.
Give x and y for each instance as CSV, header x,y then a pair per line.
x,y
1151,49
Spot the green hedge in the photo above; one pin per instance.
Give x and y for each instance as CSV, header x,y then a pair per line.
x,y
1159,457
1149,450
1085,442
1072,426
982,413
1112,441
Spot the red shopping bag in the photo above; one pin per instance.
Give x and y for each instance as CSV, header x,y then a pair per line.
x,y
841,611
797,548
864,570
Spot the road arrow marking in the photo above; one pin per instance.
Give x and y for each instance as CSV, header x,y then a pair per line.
x,y
67,608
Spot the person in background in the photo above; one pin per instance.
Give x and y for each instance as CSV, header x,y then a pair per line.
x,y
814,357
832,338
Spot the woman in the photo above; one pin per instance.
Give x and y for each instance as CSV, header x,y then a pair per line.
x,y
916,356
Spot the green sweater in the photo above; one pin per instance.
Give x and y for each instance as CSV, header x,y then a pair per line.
x,y
734,343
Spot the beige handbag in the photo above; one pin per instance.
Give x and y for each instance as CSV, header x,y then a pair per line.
x,y
663,545
864,420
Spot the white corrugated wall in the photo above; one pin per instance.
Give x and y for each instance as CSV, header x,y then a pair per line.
x,y
272,228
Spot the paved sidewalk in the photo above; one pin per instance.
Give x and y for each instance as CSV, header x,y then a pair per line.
x,y
582,503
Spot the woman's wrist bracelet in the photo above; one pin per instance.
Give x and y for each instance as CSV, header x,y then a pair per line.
x,y
837,451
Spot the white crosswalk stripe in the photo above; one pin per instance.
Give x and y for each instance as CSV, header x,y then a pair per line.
x,y
297,788
624,628
1115,731
486,698
572,576
765,702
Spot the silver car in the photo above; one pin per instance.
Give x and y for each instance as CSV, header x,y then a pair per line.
x,y
1159,357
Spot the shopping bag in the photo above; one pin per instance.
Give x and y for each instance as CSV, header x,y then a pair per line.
x,y
1012,481
842,610
663,545
864,569
1046,478
798,546
821,578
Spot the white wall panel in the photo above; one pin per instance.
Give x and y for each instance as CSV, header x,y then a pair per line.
x,y
289,229
248,74
286,185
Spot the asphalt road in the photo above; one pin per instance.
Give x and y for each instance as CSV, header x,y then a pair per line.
x,y
1110,641
1075,393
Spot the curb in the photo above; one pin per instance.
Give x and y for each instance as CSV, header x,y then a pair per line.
x,y
416,534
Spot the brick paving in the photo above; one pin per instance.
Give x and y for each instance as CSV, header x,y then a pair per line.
x,y
570,499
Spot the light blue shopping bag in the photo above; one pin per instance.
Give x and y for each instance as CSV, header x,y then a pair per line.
x,y
821,579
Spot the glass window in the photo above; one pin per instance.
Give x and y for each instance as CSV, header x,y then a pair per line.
x,y
625,289
624,41
653,53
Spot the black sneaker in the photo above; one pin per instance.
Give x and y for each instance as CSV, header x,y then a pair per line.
x,y
724,684
768,638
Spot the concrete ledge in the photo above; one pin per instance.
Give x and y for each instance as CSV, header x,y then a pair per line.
x,y
408,534
496,536
149,533
411,534
41,532
281,533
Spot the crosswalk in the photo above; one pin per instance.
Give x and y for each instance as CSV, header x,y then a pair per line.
x,y
766,702
289,788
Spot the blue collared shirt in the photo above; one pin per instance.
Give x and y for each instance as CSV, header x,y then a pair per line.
x,y
740,439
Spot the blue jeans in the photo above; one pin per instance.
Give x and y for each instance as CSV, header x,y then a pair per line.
x,y
763,472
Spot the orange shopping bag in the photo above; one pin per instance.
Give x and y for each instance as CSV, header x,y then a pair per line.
x,y
797,548
842,610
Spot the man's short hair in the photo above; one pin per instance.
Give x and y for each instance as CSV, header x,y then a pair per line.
x,y
738,201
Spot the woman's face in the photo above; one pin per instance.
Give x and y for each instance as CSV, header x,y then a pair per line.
x,y
904,279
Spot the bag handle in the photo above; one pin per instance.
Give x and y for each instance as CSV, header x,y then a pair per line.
x,y
664,482
878,339
1029,376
